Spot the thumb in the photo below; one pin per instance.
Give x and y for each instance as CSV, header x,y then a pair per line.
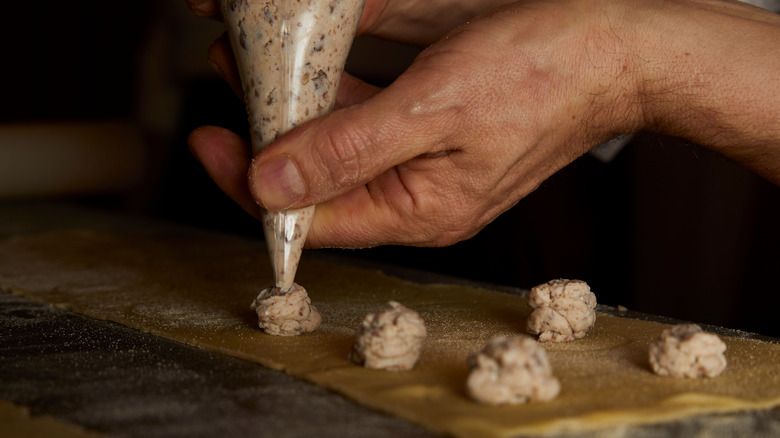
x,y
338,152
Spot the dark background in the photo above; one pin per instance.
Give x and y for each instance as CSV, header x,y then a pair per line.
x,y
666,227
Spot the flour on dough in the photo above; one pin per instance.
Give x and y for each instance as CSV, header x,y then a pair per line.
x,y
563,310
389,340
286,313
685,350
510,371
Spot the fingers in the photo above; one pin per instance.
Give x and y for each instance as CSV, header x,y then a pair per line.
x,y
220,55
221,59
364,217
393,209
204,8
284,174
477,122
372,9
353,91
386,170
226,158
330,156
456,140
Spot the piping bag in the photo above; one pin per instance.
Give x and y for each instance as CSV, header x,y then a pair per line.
x,y
290,55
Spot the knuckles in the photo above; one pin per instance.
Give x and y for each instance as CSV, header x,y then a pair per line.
x,y
341,157
447,219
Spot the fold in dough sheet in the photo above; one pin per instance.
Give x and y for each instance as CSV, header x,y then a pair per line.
x,y
196,288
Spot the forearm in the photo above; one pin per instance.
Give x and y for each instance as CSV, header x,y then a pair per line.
x,y
710,72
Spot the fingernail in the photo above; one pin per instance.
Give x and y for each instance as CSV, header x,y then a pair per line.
x,y
277,184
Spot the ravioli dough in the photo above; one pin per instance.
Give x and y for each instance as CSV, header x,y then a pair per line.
x,y
193,287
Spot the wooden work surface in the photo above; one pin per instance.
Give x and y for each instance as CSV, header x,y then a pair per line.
x,y
123,382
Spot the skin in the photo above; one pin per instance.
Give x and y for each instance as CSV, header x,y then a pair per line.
x,y
506,94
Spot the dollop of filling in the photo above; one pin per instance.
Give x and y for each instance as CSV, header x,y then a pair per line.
x,y
510,371
685,350
389,340
564,310
286,313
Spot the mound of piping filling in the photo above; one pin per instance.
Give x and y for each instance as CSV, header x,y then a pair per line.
x,y
564,310
685,350
511,370
286,313
390,339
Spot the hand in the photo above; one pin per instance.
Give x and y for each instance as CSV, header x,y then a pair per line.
x,y
455,141
489,112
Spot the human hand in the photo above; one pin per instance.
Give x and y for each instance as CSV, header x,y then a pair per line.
x,y
455,141
486,114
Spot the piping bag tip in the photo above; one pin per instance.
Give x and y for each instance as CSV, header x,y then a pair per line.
x,y
285,235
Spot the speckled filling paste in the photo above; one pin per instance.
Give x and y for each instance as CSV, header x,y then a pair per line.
x,y
290,54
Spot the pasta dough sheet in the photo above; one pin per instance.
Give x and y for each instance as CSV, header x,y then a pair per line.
x,y
196,288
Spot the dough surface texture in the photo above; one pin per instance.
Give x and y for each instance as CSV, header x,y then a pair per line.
x,y
563,310
389,340
510,371
685,350
194,287
286,313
